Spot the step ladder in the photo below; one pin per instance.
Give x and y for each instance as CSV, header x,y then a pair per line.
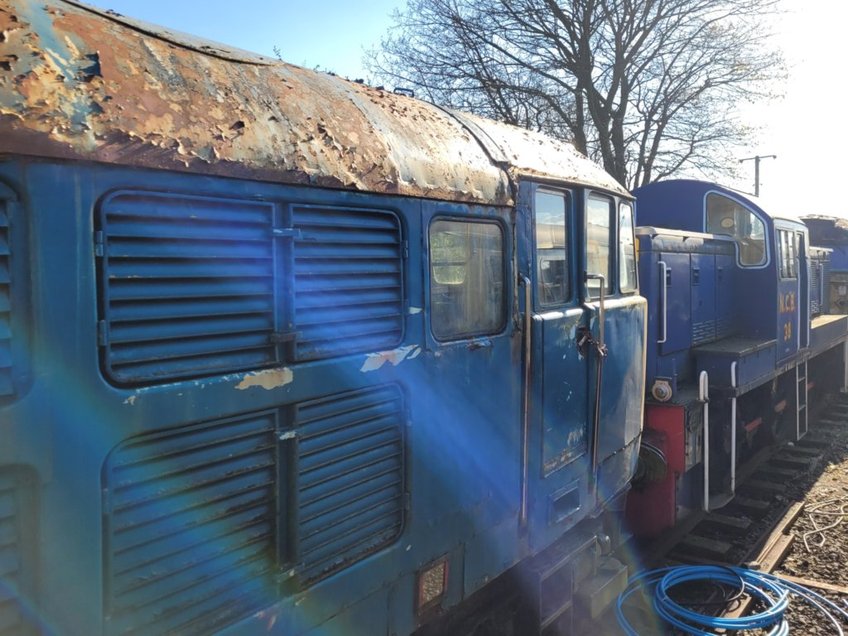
x,y
802,421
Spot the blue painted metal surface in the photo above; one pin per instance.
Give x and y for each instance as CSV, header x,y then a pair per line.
x,y
723,296
8,210
692,306
263,352
566,482
207,491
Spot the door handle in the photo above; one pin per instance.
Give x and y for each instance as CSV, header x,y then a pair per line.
x,y
480,343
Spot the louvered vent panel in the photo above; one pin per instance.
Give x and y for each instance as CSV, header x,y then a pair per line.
x,y
815,290
11,559
348,277
189,286
191,527
703,331
824,291
6,384
351,478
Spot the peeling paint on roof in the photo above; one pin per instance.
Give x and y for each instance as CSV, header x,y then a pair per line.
x,y
78,83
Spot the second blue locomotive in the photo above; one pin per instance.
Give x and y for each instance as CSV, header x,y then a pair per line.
x,y
740,342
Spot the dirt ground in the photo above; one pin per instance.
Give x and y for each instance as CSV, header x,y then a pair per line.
x,y
824,557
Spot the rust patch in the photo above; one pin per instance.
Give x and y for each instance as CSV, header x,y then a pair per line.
x,y
76,84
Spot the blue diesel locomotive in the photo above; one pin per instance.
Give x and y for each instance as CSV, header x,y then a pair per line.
x,y
741,343
283,353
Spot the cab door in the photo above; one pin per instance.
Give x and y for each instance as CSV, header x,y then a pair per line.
x,y
804,285
556,380
617,323
571,240
789,258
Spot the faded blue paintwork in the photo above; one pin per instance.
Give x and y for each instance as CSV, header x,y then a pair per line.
x,y
70,425
224,405
563,487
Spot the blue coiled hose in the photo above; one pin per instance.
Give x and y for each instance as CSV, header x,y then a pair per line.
x,y
770,589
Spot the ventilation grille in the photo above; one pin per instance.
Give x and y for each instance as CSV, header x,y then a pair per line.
x,y
16,562
348,273
815,289
189,286
191,527
6,383
351,478
703,331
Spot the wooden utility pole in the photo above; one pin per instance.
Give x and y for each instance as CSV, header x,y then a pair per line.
x,y
756,160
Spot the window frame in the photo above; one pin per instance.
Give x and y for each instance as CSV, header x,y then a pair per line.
x,y
503,322
787,250
620,260
612,244
568,226
766,258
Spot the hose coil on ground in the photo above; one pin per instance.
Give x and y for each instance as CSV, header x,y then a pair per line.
x,y
772,592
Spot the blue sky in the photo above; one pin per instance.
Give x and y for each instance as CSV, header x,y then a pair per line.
x,y
806,129
330,34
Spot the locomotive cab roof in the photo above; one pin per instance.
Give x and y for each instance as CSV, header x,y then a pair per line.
x,y
682,204
89,85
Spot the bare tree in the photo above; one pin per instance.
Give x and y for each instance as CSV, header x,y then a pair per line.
x,y
646,87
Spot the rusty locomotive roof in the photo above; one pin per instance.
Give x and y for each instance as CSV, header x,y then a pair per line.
x,y
79,83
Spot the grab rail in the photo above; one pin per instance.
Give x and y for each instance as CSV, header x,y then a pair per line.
x,y
664,297
525,423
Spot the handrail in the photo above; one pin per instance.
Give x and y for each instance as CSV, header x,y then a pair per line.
x,y
733,407
703,396
525,423
601,305
664,297
601,349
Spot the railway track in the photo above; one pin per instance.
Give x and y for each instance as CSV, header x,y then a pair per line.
x,y
765,502
755,529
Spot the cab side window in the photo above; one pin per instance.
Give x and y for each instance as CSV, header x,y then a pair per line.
x,y
726,216
627,251
552,271
787,246
467,293
598,240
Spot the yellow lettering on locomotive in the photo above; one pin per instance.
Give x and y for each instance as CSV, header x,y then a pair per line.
x,y
786,303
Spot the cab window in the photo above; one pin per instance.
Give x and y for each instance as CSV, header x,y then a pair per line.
x,y
787,245
598,230
627,255
726,216
467,294
552,272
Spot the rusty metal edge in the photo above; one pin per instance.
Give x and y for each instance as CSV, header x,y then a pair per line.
x,y
186,40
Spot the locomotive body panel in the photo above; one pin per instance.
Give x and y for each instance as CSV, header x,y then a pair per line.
x,y
745,350
285,353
